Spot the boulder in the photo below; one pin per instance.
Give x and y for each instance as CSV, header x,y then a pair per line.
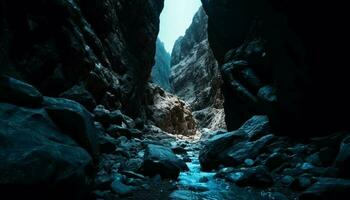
x,y
256,177
38,159
79,94
214,151
327,188
161,160
118,131
18,92
74,120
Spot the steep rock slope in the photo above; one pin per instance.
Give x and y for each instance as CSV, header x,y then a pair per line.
x,y
161,70
105,46
277,58
195,75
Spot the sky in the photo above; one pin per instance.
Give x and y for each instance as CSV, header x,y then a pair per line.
x,y
175,19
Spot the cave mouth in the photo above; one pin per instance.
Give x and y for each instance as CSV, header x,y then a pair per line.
x,y
186,69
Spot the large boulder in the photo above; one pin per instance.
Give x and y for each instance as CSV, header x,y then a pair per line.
x,y
79,94
233,148
161,160
37,159
213,153
74,120
18,92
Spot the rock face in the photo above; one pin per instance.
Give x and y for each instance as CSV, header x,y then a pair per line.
x,y
106,46
161,70
45,148
277,61
195,74
170,113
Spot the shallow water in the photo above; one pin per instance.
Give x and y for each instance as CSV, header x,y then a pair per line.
x,y
191,188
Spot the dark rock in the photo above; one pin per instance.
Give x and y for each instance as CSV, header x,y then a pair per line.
x,y
79,94
101,115
139,123
257,127
287,180
38,159
18,92
203,179
179,150
75,121
117,131
342,160
161,160
301,183
213,153
257,177
284,55
327,188
121,189
133,164
107,143
57,44
244,150
275,160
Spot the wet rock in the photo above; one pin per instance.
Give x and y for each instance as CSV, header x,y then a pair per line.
x,y
79,94
161,160
213,153
18,92
257,177
121,189
37,156
75,121
118,131
327,188
342,160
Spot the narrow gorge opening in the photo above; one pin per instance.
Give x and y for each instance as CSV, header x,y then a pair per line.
x,y
80,120
187,69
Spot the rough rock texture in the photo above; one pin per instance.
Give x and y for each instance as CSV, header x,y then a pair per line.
x,y
195,74
283,61
42,153
161,160
161,70
108,46
170,113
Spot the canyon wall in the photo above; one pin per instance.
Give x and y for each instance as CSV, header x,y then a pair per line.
x,y
284,59
195,74
101,48
161,70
